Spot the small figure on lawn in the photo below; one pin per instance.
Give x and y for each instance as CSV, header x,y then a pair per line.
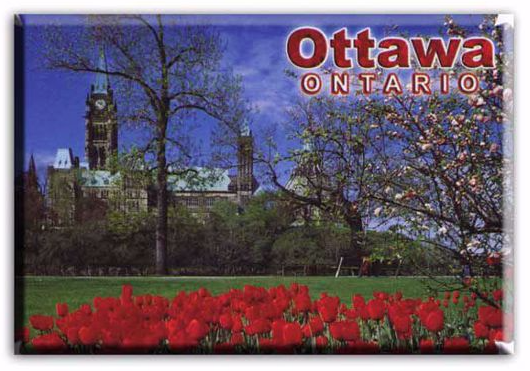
x,y
365,267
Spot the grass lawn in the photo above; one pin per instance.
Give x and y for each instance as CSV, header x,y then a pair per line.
x,y
41,293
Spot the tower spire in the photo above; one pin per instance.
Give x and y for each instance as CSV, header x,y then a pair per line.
x,y
245,168
32,169
101,129
32,179
245,129
102,79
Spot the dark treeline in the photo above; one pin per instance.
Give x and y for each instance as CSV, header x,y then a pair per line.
x,y
265,238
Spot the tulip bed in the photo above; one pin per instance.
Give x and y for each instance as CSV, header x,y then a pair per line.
x,y
275,320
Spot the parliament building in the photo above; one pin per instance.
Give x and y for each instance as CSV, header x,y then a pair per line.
x,y
74,186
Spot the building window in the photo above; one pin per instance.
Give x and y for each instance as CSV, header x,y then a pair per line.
x,y
191,201
210,201
100,132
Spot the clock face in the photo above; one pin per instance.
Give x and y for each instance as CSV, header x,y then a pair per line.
x,y
100,104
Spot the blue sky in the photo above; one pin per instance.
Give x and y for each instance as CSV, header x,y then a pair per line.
x,y
54,100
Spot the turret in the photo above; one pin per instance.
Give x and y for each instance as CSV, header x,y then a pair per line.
x,y
101,133
102,85
245,167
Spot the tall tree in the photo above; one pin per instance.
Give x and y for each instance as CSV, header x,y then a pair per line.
x,y
448,178
334,167
163,69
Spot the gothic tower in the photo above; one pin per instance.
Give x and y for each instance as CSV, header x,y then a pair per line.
x,y
101,124
245,165
32,179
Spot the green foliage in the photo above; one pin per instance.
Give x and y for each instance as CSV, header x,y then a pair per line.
x,y
261,238
303,246
241,240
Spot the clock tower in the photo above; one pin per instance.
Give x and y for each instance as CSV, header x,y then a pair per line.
x,y
245,167
101,124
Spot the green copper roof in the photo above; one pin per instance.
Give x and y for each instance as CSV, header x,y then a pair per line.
x,y
195,180
102,79
98,178
200,179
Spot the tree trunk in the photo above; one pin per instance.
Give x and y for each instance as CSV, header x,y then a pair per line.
x,y
161,200
356,239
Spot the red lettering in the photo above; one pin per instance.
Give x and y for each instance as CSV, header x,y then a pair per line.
x,y
421,83
363,43
311,83
294,47
340,43
444,83
484,51
396,56
468,83
446,55
340,83
367,80
392,85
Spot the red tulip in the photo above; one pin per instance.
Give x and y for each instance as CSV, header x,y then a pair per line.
x,y
72,334
402,324
61,309
496,335
335,330
321,342
85,309
376,309
49,343
279,319
328,308
292,334
456,345
426,346
126,291
204,292
435,321
197,330
358,301
350,330
40,322
181,343
226,321
237,338
497,295
88,335
110,340
360,347
316,325
481,330
302,302
491,348
490,316
237,324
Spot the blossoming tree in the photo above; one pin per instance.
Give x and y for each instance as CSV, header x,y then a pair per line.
x,y
448,181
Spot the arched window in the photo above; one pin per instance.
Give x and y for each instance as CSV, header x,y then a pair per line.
x,y
102,157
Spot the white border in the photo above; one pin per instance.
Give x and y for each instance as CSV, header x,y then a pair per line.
x,y
522,28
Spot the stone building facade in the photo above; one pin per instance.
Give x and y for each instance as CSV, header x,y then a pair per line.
x,y
73,186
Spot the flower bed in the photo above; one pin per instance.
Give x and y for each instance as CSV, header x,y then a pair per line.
x,y
274,320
